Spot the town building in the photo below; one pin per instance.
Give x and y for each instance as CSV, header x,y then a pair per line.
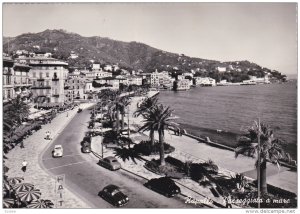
x,y
135,80
48,76
262,80
22,82
183,84
76,84
221,69
8,88
205,81
159,79
15,80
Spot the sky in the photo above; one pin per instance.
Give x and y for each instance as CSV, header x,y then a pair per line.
x,y
263,33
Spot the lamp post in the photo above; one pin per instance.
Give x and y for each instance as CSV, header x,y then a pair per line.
x,y
258,165
128,123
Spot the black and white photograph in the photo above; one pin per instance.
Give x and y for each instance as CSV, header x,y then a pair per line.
x,y
174,105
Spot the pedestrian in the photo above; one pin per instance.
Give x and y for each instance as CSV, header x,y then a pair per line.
x,y
22,144
47,135
228,201
24,166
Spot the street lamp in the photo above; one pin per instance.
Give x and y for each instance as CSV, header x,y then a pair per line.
x,y
258,165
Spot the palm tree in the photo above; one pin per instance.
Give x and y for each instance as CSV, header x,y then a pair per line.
x,y
124,102
143,109
269,149
159,119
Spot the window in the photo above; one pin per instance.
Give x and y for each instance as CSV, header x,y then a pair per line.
x,y
41,75
47,74
77,87
47,83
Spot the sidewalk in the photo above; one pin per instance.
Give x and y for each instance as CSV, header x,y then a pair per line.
x,y
225,159
282,178
35,145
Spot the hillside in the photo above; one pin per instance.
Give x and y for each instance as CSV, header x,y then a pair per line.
x,y
131,55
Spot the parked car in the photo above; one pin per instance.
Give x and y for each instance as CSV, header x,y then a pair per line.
x,y
86,147
113,195
110,163
163,185
57,151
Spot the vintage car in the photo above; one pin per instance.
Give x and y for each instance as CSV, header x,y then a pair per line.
x,y
58,151
113,195
110,163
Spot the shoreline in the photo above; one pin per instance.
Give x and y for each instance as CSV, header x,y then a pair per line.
x,y
217,138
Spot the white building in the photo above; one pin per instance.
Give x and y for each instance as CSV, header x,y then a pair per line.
x,y
205,81
262,80
135,80
48,76
159,79
183,84
221,69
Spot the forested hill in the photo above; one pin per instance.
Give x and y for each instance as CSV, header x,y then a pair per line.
x,y
130,55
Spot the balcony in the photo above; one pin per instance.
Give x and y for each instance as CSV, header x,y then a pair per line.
x,y
55,95
55,79
40,79
41,87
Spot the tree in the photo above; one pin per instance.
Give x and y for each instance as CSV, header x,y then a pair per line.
x,y
143,109
14,114
159,118
124,102
270,149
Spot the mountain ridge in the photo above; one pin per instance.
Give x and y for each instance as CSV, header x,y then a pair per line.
x,y
129,55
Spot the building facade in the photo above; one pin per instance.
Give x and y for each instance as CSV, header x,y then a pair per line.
x,y
205,81
48,76
7,79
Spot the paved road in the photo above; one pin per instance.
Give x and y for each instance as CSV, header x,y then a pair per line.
x,y
85,178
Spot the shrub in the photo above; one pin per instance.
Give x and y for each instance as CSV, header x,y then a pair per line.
x,y
145,148
166,170
175,162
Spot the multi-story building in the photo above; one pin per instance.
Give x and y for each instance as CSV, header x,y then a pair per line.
x,y
77,83
146,78
183,84
22,82
205,81
15,80
8,88
48,76
135,80
159,79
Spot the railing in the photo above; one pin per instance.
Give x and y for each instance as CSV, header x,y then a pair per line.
x,y
55,95
40,79
55,79
41,87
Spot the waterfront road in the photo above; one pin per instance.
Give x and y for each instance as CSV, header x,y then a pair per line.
x,y
85,178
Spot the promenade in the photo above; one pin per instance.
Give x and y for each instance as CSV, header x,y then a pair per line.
x,y
35,145
281,177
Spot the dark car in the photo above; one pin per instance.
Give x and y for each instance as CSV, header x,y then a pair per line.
x,y
86,148
113,195
79,110
163,185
